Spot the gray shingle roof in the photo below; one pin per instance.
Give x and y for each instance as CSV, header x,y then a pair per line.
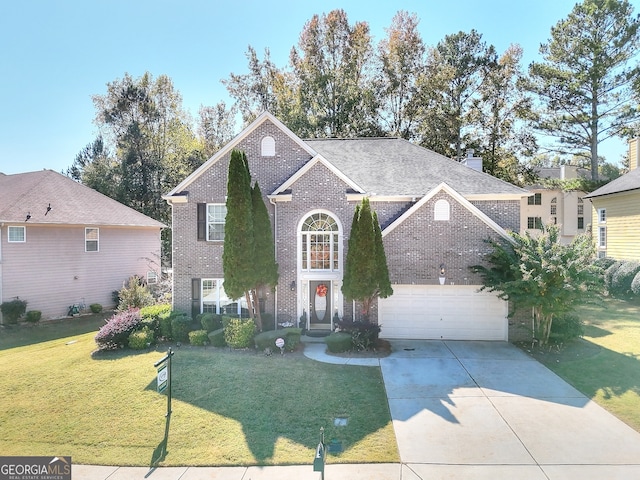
x,y
629,181
71,203
393,166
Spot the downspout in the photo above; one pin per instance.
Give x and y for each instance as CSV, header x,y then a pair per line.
x,y
275,252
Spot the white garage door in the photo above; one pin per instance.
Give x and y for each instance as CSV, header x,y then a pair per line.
x,y
449,312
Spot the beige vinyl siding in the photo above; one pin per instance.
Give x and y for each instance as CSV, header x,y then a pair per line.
x,y
51,270
622,222
634,153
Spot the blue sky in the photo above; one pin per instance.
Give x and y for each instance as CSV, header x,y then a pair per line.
x,y
56,54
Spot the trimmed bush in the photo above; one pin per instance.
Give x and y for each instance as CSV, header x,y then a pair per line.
x,y
217,338
338,342
604,263
95,308
198,337
238,333
181,325
141,339
567,327
13,310
364,335
115,334
33,316
209,321
164,321
267,339
608,274
635,285
622,278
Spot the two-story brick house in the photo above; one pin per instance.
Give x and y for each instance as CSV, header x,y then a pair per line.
x,y
435,216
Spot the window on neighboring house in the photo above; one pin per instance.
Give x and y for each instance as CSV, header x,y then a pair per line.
x,y
441,211
534,222
17,234
535,199
211,218
91,239
213,299
580,206
152,277
268,147
554,206
320,243
602,215
602,237
580,223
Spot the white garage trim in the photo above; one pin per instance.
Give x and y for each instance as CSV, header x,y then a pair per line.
x,y
447,312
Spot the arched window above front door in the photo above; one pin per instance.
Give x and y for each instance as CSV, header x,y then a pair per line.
x,y
320,245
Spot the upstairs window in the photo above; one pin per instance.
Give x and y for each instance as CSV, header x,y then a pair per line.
x,y
441,210
535,199
17,234
554,206
268,147
602,215
91,239
211,219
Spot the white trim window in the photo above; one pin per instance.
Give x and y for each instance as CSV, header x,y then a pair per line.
x,y
17,234
602,237
320,243
216,214
215,300
602,215
91,239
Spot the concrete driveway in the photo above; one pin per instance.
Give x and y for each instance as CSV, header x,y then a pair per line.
x,y
481,410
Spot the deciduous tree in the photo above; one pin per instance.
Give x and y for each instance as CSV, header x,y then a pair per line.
x,y
542,274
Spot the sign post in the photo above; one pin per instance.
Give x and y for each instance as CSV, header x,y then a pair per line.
x,y
164,377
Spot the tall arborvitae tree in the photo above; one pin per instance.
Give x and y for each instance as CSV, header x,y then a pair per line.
x,y
264,263
366,275
584,84
238,254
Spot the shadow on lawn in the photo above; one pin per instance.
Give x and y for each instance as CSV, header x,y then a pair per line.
x,y
279,397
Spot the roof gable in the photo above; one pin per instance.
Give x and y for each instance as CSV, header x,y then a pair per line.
x,y
457,197
51,198
310,164
262,118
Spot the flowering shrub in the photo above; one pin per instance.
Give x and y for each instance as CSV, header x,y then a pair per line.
x,y
115,333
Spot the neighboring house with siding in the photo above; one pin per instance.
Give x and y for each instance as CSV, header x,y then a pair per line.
x,y
616,212
436,215
568,209
62,243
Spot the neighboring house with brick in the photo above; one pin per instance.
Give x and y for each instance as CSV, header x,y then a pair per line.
x,y
62,243
616,212
568,209
435,216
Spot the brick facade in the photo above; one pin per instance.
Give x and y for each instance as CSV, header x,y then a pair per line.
x,y
415,249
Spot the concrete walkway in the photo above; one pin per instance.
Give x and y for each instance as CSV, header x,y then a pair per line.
x,y
461,410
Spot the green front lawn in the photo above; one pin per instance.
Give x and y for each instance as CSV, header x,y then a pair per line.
x,y
229,408
605,364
